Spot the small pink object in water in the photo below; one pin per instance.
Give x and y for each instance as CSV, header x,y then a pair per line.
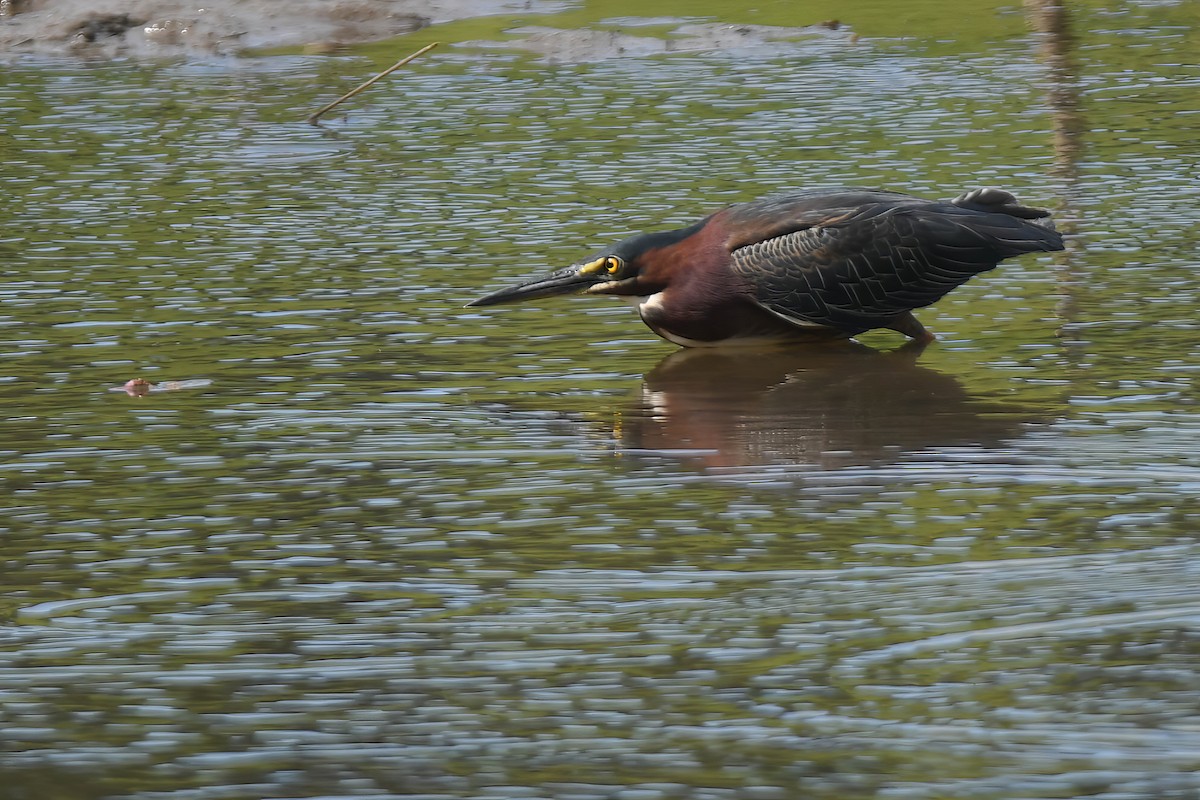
x,y
140,387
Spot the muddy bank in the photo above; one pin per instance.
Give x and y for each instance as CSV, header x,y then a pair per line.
x,y
167,28
178,28
591,44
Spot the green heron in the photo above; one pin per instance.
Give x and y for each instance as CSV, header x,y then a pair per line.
x,y
807,266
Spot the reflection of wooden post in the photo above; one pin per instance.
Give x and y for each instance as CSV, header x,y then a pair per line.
x,y
1050,20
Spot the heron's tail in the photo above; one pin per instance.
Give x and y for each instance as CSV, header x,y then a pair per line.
x,y
998,201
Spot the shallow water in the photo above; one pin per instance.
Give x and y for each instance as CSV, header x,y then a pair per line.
x,y
388,547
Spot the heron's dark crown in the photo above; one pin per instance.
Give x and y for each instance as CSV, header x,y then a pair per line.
x,y
630,248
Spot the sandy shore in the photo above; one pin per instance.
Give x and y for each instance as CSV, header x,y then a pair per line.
x,y
168,28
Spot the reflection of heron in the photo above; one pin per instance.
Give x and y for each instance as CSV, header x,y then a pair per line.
x,y
829,407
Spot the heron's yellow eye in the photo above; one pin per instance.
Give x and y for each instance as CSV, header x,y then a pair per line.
x,y
612,265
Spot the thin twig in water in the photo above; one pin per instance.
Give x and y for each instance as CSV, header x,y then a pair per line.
x,y
312,120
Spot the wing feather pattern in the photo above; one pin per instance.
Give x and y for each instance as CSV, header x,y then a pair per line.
x,y
855,268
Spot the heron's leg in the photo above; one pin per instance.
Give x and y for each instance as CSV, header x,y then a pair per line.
x,y
907,324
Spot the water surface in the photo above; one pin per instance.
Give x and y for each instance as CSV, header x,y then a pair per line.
x,y
390,547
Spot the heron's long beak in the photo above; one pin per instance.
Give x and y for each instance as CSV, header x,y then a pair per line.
x,y
564,281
